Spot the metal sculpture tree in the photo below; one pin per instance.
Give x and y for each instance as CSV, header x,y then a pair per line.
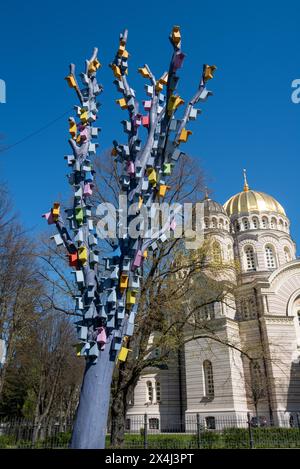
x,y
107,295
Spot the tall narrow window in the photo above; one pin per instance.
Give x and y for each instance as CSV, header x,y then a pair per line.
x,y
150,391
216,251
206,223
287,255
214,223
298,316
158,393
264,222
245,224
273,224
255,223
270,257
208,379
250,258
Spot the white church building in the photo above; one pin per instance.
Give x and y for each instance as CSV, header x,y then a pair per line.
x,y
216,381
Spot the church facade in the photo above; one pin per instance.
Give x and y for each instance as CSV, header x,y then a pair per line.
x,y
219,382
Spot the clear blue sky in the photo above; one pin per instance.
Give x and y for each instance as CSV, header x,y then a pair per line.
x,y
249,122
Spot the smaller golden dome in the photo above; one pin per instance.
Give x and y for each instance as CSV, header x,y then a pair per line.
x,y
252,201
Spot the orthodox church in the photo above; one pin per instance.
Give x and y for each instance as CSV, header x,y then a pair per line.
x,y
262,320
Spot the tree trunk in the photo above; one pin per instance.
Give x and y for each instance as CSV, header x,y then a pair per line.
x,y
89,429
118,416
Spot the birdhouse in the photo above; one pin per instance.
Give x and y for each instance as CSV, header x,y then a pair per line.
x,y
94,258
123,281
115,273
82,332
194,113
123,354
209,72
72,128
163,189
167,169
94,132
70,159
90,225
126,126
126,264
71,81
79,215
94,65
57,239
134,281
49,217
204,94
175,35
82,255
117,72
153,246
88,177
138,259
55,211
79,303
102,312
137,120
121,313
178,61
174,103
78,193
122,103
79,277
146,121
144,72
184,135
152,176
125,180
79,236
149,90
131,297
92,149
84,117
101,338
130,103
110,323
130,167
81,350
92,240
147,105
87,190
73,258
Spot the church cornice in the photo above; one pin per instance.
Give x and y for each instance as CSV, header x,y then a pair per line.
x,y
290,266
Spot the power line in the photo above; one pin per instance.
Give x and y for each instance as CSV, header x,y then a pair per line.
x,y
41,129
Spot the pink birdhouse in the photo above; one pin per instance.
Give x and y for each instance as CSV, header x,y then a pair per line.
x,y
130,167
145,121
138,259
84,134
101,338
87,190
49,218
147,105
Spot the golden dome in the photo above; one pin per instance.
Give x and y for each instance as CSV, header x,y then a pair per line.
x,y
252,201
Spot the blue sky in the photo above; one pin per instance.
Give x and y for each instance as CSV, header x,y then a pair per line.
x,y
250,121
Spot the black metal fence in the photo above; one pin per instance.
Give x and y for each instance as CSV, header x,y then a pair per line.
x,y
166,432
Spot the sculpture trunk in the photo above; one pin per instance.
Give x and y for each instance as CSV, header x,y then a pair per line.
x,y
90,425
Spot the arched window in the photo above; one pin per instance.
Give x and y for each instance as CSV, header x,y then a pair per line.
x,y
221,223
149,391
245,308
257,382
206,223
229,252
281,224
208,379
264,222
250,258
246,224
207,312
214,223
273,224
285,226
298,316
270,257
255,223
287,254
236,226
216,252
157,390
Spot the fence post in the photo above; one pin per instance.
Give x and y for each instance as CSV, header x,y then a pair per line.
x,y
250,431
198,432
145,431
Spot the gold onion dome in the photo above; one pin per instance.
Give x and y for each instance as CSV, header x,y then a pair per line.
x,y
252,201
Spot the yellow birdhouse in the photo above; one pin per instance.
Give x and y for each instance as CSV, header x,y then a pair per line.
x,y
72,128
176,36
159,86
163,189
84,117
164,78
94,65
122,103
71,81
122,52
174,103
123,281
209,72
131,297
140,202
82,254
144,72
116,70
152,176
55,211
184,135
145,254
123,354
